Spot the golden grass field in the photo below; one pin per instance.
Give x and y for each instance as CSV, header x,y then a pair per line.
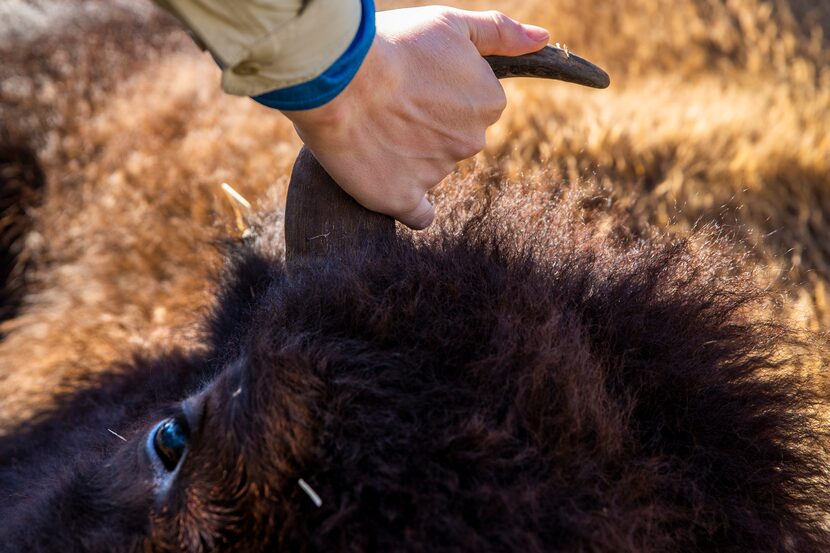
x,y
718,114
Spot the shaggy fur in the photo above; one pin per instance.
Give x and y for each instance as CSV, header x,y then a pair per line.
x,y
462,392
542,379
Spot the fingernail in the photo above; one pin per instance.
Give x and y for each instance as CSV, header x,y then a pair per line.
x,y
535,33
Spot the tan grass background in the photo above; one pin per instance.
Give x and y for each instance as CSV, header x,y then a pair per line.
x,y
718,113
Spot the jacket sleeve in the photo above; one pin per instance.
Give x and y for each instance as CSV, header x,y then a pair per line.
x,y
270,46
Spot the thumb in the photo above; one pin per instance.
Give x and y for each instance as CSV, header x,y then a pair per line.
x,y
495,34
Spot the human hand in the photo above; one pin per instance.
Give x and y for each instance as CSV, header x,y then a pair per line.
x,y
421,102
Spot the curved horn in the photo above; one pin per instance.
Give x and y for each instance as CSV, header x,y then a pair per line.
x,y
322,220
551,62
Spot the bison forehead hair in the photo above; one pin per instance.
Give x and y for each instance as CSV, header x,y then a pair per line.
x,y
470,391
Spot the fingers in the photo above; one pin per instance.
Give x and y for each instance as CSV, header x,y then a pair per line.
x,y
495,34
407,133
419,218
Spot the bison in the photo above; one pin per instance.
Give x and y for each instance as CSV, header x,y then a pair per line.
x,y
532,375
506,383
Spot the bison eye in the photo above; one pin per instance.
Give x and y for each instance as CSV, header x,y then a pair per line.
x,y
169,442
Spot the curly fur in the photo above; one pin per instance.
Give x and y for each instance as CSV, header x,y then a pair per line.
x,y
536,376
471,391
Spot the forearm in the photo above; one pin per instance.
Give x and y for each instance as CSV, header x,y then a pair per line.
x,y
277,45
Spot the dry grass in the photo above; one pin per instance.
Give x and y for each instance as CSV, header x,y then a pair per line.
x,y
718,113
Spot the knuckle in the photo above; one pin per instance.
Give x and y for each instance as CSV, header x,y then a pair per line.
x,y
470,146
492,105
458,151
499,102
445,13
501,21
498,17
408,200
478,144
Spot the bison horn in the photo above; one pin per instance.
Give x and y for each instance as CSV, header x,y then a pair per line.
x,y
322,220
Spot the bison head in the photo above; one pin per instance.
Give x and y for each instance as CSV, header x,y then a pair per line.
x,y
508,383
511,382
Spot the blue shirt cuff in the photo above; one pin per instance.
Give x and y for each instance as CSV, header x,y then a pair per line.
x,y
326,87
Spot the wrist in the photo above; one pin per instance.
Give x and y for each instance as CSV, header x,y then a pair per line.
x,y
329,117
327,86
377,74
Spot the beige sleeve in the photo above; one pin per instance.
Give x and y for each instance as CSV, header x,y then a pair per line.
x,y
265,45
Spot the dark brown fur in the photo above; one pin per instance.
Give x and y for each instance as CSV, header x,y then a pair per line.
x,y
541,379
21,184
462,393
